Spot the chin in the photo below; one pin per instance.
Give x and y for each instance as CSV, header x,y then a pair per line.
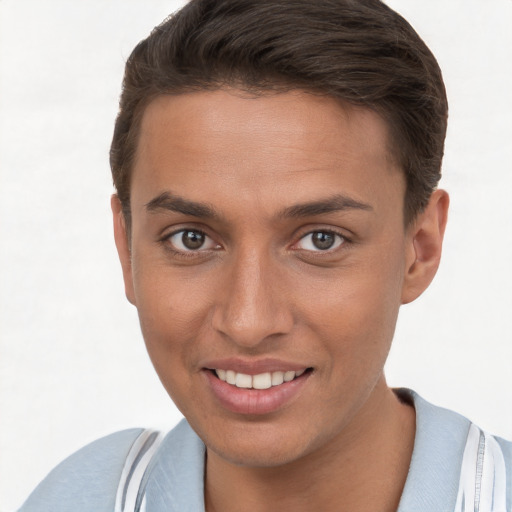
x,y
260,446
258,457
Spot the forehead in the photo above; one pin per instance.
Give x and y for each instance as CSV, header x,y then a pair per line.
x,y
259,144
234,113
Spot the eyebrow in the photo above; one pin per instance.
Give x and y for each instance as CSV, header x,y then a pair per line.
x,y
331,204
169,202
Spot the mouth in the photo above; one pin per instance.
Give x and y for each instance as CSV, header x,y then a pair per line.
x,y
256,393
261,381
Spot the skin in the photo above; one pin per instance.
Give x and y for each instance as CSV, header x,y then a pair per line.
x,y
259,288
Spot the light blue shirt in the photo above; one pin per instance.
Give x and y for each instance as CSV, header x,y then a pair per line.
x,y
88,480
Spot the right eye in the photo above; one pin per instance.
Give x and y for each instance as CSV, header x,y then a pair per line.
x,y
191,240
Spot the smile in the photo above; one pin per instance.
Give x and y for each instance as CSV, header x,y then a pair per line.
x,y
260,381
256,388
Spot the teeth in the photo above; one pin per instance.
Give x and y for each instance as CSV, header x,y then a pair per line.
x,y
277,378
288,376
243,380
260,381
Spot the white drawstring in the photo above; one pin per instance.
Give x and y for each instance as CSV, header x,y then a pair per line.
x,y
130,492
482,485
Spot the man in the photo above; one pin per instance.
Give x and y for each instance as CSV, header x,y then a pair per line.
x,y
276,167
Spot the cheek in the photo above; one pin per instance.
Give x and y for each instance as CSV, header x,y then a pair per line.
x,y
167,296
172,312
357,313
170,327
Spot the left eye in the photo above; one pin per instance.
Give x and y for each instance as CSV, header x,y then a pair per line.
x,y
188,240
320,241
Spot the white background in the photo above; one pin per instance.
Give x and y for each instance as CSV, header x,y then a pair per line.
x,y
72,362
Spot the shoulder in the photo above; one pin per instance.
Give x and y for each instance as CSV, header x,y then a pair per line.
x,y
87,480
450,456
506,448
90,478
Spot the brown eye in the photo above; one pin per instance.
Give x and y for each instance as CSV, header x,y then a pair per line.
x,y
187,240
320,241
192,239
323,241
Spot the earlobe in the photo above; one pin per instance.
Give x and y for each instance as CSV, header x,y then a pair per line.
x,y
123,246
424,246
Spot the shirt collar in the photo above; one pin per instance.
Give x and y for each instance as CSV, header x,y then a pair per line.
x,y
177,480
433,479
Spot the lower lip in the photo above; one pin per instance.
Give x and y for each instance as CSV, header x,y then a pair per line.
x,y
255,401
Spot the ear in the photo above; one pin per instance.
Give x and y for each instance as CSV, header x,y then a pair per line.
x,y
424,242
123,246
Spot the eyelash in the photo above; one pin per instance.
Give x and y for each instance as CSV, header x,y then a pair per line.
x,y
184,253
341,240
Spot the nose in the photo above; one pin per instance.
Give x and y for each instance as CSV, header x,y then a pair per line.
x,y
252,306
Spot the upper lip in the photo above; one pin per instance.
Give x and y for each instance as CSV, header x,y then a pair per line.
x,y
253,367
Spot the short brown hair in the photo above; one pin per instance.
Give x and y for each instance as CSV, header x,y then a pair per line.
x,y
358,51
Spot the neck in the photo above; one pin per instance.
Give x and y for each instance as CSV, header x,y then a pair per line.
x,y
363,468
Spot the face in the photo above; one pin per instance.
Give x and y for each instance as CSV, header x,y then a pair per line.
x,y
267,265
